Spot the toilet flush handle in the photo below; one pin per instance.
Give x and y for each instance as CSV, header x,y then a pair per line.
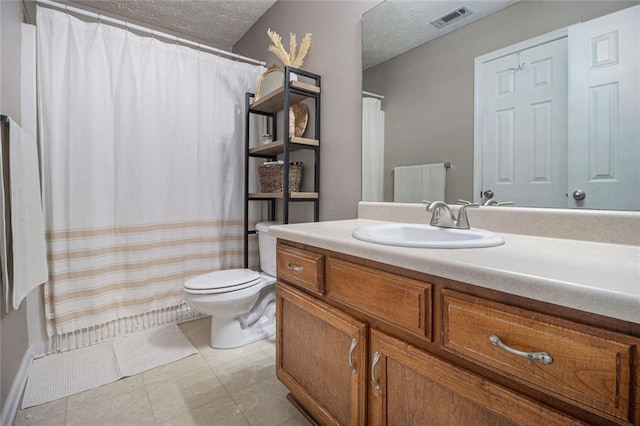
x,y
295,268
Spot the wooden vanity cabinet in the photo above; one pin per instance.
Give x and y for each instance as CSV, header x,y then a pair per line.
x,y
399,302
423,353
584,366
411,387
302,268
321,357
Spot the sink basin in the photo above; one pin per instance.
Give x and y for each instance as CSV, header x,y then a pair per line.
x,y
426,236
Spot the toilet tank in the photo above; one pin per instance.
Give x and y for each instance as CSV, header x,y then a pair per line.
x,y
267,248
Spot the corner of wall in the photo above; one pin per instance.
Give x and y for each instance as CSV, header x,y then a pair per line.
x,y
12,401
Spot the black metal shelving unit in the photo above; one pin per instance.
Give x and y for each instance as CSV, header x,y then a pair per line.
x,y
269,105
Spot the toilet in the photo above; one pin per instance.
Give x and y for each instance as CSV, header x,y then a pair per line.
x,y
241,302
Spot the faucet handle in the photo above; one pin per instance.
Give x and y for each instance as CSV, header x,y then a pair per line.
x,y
464,202
463,221
506,203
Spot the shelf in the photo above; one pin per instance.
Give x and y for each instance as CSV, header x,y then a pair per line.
x,y
273,101
277,147
278,195
272,106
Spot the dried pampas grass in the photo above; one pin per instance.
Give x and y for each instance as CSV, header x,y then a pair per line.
x,y
289,58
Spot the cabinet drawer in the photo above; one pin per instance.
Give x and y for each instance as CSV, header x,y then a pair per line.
x,y
399,301
588,368
301,268
417,388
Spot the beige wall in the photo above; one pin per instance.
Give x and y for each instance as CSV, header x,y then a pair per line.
x,y
429,90
14,340
336,54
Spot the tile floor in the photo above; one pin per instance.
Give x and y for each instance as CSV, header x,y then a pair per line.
x,y
213,387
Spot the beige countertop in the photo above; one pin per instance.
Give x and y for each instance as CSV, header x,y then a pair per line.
x,y
595,277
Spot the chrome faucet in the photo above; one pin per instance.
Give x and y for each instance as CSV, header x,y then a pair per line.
x,y
443,217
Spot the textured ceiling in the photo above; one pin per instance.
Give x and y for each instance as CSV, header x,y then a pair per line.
x,y
397,26
219,23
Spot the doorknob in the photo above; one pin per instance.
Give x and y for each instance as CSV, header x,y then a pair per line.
x,y
579,195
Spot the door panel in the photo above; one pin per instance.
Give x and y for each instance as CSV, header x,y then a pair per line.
x,y
524,121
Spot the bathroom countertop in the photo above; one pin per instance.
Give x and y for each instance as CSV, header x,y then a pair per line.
x,y
595,277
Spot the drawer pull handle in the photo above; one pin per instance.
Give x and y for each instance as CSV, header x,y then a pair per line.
x,y
376,358
543,357
295,268
354,343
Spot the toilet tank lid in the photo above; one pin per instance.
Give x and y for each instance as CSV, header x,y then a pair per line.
x,y
264,226
222,279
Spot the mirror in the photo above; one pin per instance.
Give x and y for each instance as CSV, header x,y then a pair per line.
x,y
428,86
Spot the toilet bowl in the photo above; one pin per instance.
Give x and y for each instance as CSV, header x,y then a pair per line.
x,y
241,302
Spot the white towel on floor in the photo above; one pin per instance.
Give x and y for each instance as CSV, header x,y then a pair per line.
x,y
412,184
27,221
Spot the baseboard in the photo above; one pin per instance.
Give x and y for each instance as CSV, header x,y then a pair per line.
x,y
292,399
12,402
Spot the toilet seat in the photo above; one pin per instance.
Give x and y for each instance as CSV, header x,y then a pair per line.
x,y
222,281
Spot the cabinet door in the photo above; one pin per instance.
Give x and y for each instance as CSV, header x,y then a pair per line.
x,y
411,387
321,357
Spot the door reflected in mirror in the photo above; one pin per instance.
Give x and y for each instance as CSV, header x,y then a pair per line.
x,y
584,139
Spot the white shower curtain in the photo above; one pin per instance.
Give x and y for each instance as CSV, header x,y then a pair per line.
x,y
372,149
143,146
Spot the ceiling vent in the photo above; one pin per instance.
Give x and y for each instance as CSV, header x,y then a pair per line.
x,y
450,17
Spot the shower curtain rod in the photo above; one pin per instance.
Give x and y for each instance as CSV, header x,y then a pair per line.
x,y
154,33
372,95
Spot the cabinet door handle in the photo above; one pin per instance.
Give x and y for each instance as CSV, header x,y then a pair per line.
x,y
376,358
543,357
295,268
354,343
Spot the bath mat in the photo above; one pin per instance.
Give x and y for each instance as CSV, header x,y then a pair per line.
x,y
60,375
150,349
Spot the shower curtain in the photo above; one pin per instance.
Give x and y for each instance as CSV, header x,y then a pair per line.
x,y
142,158
372,149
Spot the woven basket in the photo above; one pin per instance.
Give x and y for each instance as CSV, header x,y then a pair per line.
x,y
271,177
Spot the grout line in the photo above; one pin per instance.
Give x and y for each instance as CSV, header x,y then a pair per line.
x,y
66,409
146,392
244,416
